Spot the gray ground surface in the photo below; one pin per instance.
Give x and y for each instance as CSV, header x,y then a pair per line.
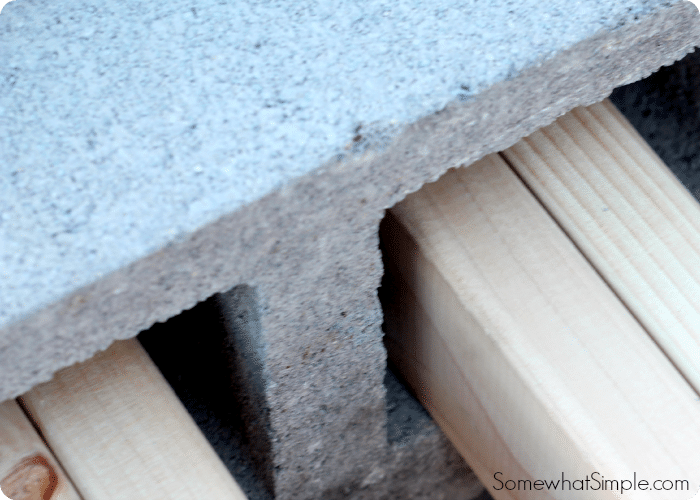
x,y
406,417
665,109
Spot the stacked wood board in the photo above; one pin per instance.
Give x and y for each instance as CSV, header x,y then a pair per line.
x,y
118,432
545,311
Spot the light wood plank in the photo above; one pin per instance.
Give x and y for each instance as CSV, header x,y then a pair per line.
x,y
524,356
635,222
28,470
122,434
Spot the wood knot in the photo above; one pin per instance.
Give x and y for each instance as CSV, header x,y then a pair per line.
x,y
32,479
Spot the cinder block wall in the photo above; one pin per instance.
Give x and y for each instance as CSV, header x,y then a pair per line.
x,y
153,155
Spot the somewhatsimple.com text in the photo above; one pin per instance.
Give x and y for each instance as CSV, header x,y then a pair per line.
x,y
596,482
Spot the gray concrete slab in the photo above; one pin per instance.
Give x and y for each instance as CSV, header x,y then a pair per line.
x,y
118,213
128,126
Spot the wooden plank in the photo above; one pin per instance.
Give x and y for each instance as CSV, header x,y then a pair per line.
x,y
28,470
523,355
638,226
121,433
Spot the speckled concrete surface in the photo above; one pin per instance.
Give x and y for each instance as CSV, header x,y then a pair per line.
x,y
117,212
203,363
127,126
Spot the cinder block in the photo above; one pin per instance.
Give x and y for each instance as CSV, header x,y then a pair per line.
x,y
154,155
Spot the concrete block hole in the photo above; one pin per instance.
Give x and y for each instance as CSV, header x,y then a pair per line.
x,y
210,356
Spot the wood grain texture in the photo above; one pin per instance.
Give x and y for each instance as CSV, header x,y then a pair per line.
x,y
521,352
122,434
28,470
626,211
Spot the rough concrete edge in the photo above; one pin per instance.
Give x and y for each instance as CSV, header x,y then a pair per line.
x,y
173,279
